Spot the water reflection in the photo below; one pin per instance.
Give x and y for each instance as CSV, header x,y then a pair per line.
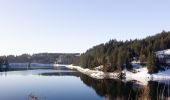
x,y
118,90
46,85
69,73
66,84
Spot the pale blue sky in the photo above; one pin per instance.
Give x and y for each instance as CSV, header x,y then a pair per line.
x,y
32,26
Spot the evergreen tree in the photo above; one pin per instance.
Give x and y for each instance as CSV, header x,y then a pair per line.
x,y
152,64
128,65
142,58
1,64
115,54
114,59
6,64
120,61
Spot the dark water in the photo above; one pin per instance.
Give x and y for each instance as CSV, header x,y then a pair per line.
x,y
70,85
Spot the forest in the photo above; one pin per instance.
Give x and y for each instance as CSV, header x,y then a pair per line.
x,y
44,58
117,55
4,65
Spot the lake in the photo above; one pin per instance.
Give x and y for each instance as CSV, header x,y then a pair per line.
x,y
42,84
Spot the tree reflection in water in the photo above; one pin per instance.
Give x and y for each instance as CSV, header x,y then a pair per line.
x,y
118,90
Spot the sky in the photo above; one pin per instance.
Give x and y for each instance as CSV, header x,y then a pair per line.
x,y
73,26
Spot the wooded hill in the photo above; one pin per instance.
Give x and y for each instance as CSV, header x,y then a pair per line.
x,y
44,58
116,55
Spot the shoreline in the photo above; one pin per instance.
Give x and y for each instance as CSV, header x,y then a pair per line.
x,y
142,77
94,73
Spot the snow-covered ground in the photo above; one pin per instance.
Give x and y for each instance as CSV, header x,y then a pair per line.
x,y
93,73
140,75
163,52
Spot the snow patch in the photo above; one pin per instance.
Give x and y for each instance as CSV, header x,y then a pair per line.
x,y
94,73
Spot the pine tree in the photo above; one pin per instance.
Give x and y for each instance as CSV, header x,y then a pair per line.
x,y
114,59
162,45
117,54
128,65
120,61
152,64
142,58
6,64
1,64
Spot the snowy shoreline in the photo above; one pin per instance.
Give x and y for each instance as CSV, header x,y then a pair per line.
x,y
142,76
94,73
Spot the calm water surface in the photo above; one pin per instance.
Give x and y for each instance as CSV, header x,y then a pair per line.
x,y
71,85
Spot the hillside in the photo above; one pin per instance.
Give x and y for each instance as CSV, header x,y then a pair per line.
x,y
44,58
116,55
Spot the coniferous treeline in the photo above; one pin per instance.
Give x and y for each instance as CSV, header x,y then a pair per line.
x,y
115,55
4,65
45,58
